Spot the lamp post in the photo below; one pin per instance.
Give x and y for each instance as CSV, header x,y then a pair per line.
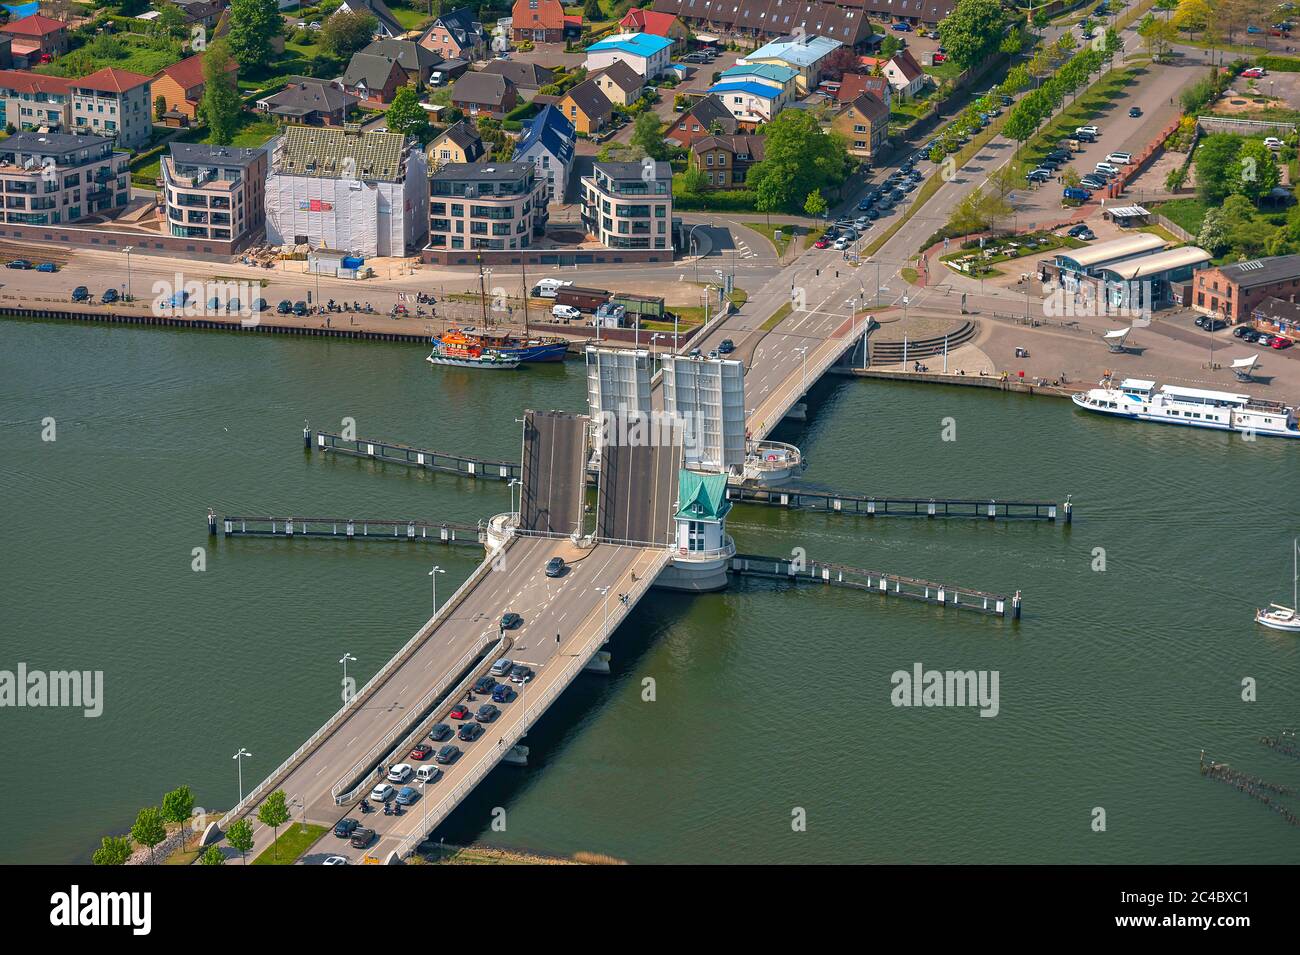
x,y
604,593
347,657
433,576
653,338
239,761
803,354
128,251
514,483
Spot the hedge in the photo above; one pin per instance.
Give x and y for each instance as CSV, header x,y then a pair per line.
x,y
1279,64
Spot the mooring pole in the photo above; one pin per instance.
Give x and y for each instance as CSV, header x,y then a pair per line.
x,y
1015,606
306,438
212,523
1069,508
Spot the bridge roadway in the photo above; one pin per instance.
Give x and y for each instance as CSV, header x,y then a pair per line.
x,y
569,606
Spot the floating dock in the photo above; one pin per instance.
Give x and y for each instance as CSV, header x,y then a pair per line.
x,y
392,453
343,528
870,505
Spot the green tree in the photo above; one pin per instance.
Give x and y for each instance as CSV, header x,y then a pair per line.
x,y
1213,239
693,182
591,12
1216,160
252,25
1255,173
176,808
170,20
889,46
348,31
149,829
274,812
220,106
113,850
973,31
815,205
159,106
968,215
240,837
212,856
798,159
648,134
1177,176
405,114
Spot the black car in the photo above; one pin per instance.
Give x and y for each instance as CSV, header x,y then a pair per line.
x,y
520,673
300,308
450,753
19,264
345,828
469,732
864,205
285,307
487,713
727,347
509,621
110,295
81,294
1240,331
873,214
484,684
260,305
1135,111
440,732
1214,324
362,837
555,567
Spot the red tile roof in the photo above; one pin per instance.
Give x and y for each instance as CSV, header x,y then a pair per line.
x,y
648,21
24,82
112,80
35,25
188,73
547,15
853,85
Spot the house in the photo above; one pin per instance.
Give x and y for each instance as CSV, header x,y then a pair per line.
x,y
725,160
629,206
6,52
526,77
485,94
417,62
1233,291
666,25
843,20
114,103
373,79
864,124
750,103
853,85
214,192
782,78
52,178
309,102
35,102
458,143
708,117
804,53
1277,317
648,55
180,86
586,107
541,21
36,39
905,74
202,13
508,209
547,143
620,83
387,24
456,35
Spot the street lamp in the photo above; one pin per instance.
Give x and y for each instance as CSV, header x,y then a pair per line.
x,y
239,761
347,657
803,354
604,593
653,338
128,251
515,482
433,576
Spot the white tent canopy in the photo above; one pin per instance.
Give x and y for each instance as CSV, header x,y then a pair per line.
x,y
1245,362
1119,334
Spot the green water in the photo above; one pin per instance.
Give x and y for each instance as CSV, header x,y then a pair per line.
x,y
768,698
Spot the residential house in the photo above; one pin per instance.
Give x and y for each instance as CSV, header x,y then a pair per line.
x,y
52,178
620,83
1277,317
649,55
494,207
309,102
666,25
586,107
114,103
35,39
526,77
202,13
864,124
180,86
35,102
417,62
709,116
782,78
805,53
214,192
373,79
625,210
547,143
725,160
458,143
541,21
905,74
751,103
387,26
484,94
852,85
843,20
1233,291
456,35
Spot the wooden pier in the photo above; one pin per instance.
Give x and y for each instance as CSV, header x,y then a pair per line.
x,y
429,460
887,585
870,505
342,528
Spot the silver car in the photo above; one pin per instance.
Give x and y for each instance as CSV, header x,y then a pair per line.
x,y
501,667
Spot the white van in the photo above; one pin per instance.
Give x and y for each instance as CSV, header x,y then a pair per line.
x,y
566,312
547,288
427,774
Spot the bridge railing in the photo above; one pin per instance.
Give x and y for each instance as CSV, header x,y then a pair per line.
x,y
397,659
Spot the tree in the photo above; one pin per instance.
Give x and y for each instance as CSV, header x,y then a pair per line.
x,y
1004,180
1212,238
591,12
889,46
405,114
1255,173
815,205
212,856
968,216
1168,6
240,837
1192,16
252,25
348,31
176,808
1070,177
1157,36
149,829
1177,176
798,158
113,850
170,20
693,181
220,106
648,134
1216,159
973,31
274,812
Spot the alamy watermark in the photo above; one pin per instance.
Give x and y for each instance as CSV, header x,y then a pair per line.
x,y
195,299
922,687
1090,300
652,429
82,689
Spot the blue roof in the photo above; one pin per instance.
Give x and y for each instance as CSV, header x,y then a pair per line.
x,y
754,89
640,44
766,71
552,131
799,51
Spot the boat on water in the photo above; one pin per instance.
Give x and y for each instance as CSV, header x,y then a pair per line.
x,y
531,349
1194,407
1277,617
469,355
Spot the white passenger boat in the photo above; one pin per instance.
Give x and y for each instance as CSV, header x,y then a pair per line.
x,y
1278,617
1170,404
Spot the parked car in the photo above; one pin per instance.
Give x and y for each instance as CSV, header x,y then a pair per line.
x,y
940,58
1088,131
1039,175
459,712
510,621
407,795
381,793
565,312
501,667
1254,73
1272,142
440,732
260,305
362,837
448,754
47,267
1079,231
1007,100
19,264
1265,339
555,567
399,773
420,751
520,674
1120,158
1135,111
469,732
300,308
1107,169
1241,331
81,294
110,295
345,827
1082,195
902,27
1280,342
503,693
841,244
864,205
285,307
487,713
822,243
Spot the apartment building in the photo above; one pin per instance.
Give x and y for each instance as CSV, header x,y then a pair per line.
x,y
214,192
489,207
114,103
51,178
626,205
34,102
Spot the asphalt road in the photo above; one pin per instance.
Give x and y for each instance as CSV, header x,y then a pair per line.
x,y
553,472
638,488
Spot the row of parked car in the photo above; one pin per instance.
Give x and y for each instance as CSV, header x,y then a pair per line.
x,y
1247,334
25,265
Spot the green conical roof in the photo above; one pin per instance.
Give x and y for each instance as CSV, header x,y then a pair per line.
x,y
702,496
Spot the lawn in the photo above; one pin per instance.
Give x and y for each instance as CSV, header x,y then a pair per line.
x,y
773,234
410,19
139,55
1187,213
777,317
293,842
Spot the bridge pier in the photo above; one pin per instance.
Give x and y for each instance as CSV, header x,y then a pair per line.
x,y
517,755
599,662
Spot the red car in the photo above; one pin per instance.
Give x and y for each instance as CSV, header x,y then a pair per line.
x,y
940,58
1253,73
459,712
1280,342
822,243
421,751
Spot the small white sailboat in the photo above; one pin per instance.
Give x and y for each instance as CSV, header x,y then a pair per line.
x,y
1278,617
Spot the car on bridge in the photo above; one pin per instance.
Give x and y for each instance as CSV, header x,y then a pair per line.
x,y
555,567
484,684
345,827
511,621
448,754
399,773
469,732
381,793
335,860
421,751
362,837
726,347
502,693
407,795
440,732
501,667
487,713
459,712
520,674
